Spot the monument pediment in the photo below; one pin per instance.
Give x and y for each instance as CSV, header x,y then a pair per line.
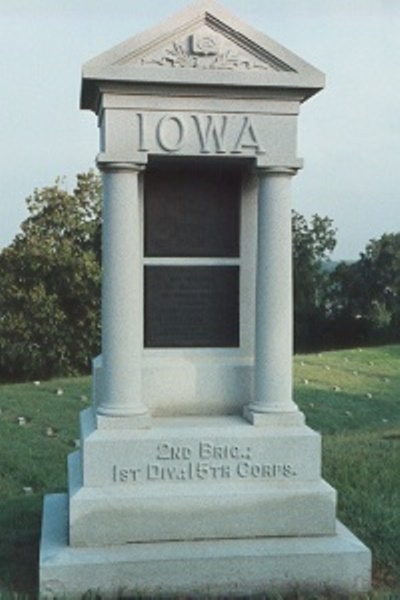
x,y
208,48
201,45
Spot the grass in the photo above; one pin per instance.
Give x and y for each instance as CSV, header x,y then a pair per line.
x,y
351,397
32,463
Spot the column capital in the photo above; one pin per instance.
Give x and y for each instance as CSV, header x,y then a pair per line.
x,y
106,164
276,170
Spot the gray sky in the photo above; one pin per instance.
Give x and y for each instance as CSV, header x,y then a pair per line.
x,y
349,133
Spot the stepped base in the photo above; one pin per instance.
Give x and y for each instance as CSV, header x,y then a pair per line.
x,y
338,563
103,516
197,479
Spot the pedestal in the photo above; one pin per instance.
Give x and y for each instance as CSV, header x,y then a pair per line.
x,y
210,506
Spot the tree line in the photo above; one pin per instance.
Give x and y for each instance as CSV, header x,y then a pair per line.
x,y
51,281
348,304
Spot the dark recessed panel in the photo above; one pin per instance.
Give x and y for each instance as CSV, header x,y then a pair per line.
x,y
193,307
192,212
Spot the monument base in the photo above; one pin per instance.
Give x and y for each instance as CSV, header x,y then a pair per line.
x,y
196,478
337,563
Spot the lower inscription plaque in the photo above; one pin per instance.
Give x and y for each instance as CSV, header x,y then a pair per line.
x,y
191,307
204,461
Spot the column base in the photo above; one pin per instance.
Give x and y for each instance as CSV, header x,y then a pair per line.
x,y
108,422
339,563
273,419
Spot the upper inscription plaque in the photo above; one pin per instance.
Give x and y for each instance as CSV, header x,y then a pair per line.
x,y
192,212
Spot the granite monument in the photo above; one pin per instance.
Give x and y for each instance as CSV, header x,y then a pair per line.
x,y
197,473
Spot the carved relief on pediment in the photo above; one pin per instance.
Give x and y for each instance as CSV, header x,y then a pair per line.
x,y
206,49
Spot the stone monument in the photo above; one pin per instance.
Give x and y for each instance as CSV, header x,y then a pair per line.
x,y
197,473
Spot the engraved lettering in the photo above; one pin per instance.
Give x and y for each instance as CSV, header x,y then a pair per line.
x,y
157,472
182,475
289,471
210,130
143,145
220,471
247,454
207,461
246,469
205,450
220,452
166,451
243,469
170,133
202,470
209,133
153,472
134,474
163,451
125,475
225,471
269,471
248,138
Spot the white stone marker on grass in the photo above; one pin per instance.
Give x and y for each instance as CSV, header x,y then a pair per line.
x,y
196,473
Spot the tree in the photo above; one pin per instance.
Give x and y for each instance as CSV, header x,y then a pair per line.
x,y
367,292
312,244
50,292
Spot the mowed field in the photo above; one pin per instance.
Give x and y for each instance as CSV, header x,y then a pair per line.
x,y
352,397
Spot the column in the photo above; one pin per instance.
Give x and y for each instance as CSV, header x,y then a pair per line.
x,y
273,400
122,294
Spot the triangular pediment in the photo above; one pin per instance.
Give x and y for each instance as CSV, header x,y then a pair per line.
x,y
204,45
208,46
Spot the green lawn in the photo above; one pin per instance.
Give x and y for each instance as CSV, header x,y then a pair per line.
x,y
351,397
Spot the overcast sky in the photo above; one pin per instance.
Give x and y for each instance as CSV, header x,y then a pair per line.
x,y
349,133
